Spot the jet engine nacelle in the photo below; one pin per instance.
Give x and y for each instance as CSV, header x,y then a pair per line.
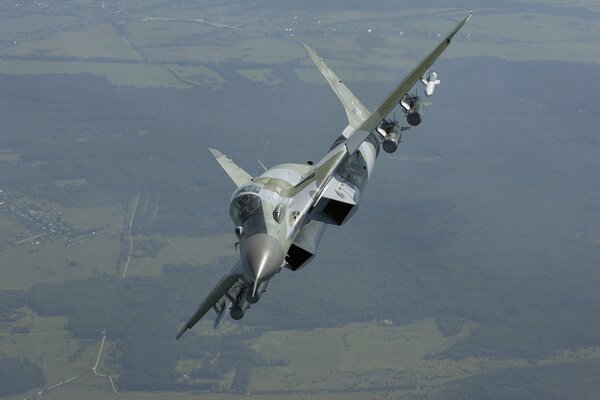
x,y
392,134
390,142
238,309
414,116
414,109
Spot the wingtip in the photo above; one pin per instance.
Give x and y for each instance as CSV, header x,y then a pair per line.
x,y
308,49
182,331
216,153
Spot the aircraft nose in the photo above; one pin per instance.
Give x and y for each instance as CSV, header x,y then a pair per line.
x,y
262,256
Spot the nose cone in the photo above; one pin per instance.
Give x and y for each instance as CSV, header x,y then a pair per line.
x,y
262,256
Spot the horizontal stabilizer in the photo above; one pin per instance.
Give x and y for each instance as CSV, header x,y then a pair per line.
x,y
237,174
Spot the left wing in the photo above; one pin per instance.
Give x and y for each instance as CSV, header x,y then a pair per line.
x,y
217,299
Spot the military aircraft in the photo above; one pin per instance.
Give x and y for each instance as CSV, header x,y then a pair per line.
x,y
281,215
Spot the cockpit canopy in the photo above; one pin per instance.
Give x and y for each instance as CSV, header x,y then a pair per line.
x,y
245,202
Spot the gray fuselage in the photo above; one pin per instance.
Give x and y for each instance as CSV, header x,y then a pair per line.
x,y
281,215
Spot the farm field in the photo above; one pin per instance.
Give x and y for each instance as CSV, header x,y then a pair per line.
x,y
470,270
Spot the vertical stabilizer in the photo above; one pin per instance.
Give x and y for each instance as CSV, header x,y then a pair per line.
x,y
355,111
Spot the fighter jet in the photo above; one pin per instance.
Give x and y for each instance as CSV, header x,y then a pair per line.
x,y
280,216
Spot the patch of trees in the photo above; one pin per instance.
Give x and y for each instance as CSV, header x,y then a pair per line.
x,y
87,302
143,314
155,370
151,311
10,301
18,376
528,336
122,139
568,381
449,325
148,247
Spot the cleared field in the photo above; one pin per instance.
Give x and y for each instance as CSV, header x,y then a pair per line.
x,y
160,33
335,363
28,264
355,46
534,28
93,41
140,75
510,36
9,227
14,28
591,5
189,250
357,356
261,75
59,355
261,50
7,156
549,51
377,360
82,388
198,76
38,325
86,218
62,183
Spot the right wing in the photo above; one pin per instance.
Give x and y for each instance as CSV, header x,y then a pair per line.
x,y
237,175
228,287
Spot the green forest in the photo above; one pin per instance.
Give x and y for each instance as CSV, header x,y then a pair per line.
x,y
475,247
18,376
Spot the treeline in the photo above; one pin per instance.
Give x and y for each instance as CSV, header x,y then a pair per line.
x,y
87,302
10,301
123,139
18,376
148,247
565,381
155,370
143,315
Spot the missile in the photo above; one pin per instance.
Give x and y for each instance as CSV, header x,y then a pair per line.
x,y
430,82
221,315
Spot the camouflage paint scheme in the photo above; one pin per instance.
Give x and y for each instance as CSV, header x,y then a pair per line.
x,y
281,215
